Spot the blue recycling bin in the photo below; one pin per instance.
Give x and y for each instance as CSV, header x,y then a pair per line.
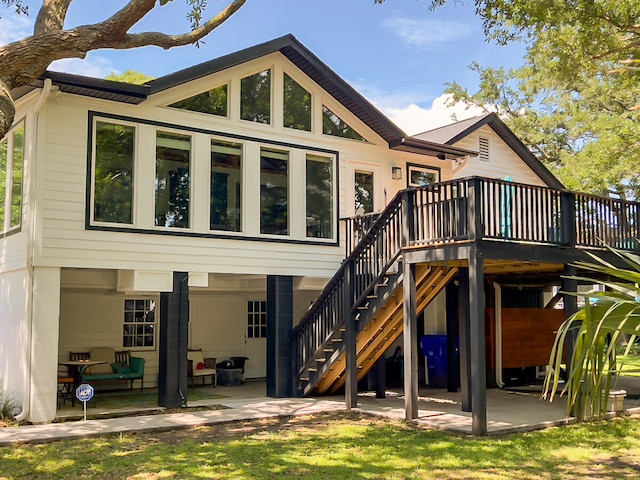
x,y
434,348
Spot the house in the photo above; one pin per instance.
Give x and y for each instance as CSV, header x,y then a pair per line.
x,y
203,210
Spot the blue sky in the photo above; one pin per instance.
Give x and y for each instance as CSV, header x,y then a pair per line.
x,y
399,55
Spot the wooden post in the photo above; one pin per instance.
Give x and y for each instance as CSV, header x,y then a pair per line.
x,y
350,335
463,313
477,348
568,219
410,337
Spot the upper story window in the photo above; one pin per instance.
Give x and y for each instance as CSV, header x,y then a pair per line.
x,y
297,105
421,176
11,172
332,124
274,192
320,201
483,149
364,192
255,97
213,102
113,182
173,180
226,186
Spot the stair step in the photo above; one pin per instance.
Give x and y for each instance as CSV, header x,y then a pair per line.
x,y
337,340
311,369
328,350
372,297
304,379
321,360
364,307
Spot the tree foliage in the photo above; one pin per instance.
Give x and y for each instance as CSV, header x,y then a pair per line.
x,y
575,101
24,60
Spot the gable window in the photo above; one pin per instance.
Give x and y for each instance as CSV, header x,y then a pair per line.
x,y
274,192
256,319
363,192
255,97
226,186
332,124
11,172
113,173
139,323
173,180
421,176
213,102
297,105
483,149
319,207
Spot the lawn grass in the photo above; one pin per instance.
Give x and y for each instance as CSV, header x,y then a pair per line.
x,y
335,446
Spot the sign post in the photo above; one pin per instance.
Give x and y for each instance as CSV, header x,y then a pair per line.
x,y
84,393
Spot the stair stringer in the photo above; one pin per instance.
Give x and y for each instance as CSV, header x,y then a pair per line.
x,y
384,328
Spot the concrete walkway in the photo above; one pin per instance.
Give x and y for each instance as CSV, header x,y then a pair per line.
x,y
507,412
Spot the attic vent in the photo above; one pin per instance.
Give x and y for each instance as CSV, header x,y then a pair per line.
x,y
483,148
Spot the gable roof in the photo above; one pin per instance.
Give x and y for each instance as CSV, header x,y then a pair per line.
x,y
293,50
451,134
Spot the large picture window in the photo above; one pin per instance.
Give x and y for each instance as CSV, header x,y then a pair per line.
x,y
213,102
113,185
139,324
11,173
255,97
319,207
274,192
226,186
332,124
173,180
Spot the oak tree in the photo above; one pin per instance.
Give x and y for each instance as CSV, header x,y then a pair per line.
x,y
24,60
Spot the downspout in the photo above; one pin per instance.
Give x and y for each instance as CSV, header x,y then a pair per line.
x,y
26,398
498,318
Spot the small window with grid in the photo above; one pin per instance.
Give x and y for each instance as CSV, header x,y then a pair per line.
x,y
257,319
139,328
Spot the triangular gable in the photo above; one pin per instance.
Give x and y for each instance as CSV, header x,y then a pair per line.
x,y
453,133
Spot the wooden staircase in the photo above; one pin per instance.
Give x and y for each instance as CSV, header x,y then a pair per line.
x,y
381,330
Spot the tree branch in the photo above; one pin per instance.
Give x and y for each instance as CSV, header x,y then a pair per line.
x,y
165,41
51,16
7,109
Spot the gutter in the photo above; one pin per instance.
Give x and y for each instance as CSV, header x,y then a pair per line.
x,y
26,398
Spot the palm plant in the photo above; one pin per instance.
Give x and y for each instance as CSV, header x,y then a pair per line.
x,y
606,319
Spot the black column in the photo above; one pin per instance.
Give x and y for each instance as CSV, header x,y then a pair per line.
x,y
174,321
463,315
453,358
410,341
350,334
279,327
478,359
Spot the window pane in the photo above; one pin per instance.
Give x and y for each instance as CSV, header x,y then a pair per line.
x,y
213,102
419,177
173,180
274,192
113,187
226,186
255,97
334,125
364,192
16,174
3,181
319,197
297,105
139,327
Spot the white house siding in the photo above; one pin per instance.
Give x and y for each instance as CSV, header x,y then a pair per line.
x,y
65,242
502,162
14,343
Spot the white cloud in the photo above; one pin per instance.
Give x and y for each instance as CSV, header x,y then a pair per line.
x,y
15,27
427,34
414,119
93,66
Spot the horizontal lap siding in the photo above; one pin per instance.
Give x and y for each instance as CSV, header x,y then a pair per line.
x,y
65,242
13,252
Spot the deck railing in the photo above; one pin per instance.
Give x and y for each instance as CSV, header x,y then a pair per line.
x,y
471,208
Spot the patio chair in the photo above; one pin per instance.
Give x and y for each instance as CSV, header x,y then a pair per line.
x,y
201,367
65,385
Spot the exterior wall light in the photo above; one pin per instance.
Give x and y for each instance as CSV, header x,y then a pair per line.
x,y
396,173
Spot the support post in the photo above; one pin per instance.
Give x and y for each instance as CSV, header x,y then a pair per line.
x,y
174,324
570,285
453,365
465,355
279,327
410,340
477,346
350,335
